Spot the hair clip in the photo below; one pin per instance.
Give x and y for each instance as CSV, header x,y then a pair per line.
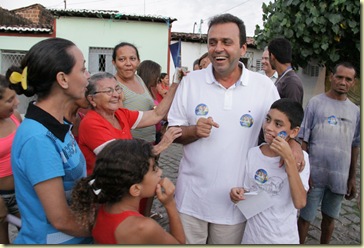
x,y
96,191
16,77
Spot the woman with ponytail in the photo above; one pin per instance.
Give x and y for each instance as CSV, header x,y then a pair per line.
x,y
46,159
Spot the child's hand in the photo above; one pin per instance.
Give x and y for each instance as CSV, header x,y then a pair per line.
x,y
282,148
237,194
166,195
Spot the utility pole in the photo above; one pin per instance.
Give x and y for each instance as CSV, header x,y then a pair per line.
x,y
65,4
200,30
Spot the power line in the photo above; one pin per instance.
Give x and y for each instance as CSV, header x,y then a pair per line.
x,y
203,20
229,9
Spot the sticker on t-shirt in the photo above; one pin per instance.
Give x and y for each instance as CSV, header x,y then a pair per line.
x,y
332,120
261,176
201,110
246,120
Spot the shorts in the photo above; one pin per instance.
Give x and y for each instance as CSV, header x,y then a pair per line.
x,y
10,201
330,204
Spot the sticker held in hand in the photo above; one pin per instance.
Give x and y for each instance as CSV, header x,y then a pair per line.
x,y
178,74
282,134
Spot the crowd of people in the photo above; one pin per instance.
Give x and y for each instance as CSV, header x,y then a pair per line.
x,y
87,172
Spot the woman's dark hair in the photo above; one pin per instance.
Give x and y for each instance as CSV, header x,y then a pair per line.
x,y
43,61
122,44
4,84
162,76
118,166
150,72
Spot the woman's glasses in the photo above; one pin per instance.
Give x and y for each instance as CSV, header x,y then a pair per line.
x,y
110,91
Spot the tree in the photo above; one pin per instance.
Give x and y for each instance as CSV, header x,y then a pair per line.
x,y
324,32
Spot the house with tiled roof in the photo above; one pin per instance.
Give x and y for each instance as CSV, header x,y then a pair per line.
x,y
96,32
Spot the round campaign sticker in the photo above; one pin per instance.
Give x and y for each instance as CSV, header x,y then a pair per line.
x,y
261,176
246,120
282,134
201,109
332,120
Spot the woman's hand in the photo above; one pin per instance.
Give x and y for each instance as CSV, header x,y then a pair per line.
x,y
169,136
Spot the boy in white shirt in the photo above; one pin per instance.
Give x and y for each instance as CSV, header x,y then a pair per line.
x,y
283,187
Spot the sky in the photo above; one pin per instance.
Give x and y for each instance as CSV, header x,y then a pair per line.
x,y
192,15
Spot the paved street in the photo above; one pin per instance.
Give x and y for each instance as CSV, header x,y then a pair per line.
x,y
347,228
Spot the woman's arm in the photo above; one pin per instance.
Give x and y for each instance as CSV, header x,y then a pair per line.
x,y
52,196
152,117
167,139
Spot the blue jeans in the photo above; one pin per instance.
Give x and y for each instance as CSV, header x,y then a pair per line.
x,y
330,204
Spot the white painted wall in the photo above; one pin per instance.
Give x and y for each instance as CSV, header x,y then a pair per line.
x,y
190,51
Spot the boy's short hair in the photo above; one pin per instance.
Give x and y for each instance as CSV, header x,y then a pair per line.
x,y
281,49
292,109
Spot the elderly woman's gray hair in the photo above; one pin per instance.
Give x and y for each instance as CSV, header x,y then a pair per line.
x,y
91,87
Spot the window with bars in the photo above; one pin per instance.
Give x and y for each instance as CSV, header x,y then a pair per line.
x,y
312,70
100,59
258,65
248,57
9,58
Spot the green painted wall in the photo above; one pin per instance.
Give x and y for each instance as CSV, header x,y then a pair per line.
x,y
150,38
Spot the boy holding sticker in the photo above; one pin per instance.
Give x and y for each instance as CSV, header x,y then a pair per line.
x,y
272,193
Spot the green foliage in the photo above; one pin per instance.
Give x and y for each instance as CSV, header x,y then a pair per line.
x,y
325,31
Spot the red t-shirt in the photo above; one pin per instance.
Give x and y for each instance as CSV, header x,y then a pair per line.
x,y
104,230
95,130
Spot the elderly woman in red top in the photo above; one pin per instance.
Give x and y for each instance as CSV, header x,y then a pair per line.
x,y
106,121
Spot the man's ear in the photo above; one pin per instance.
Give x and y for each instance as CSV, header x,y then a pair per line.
x,y
294,132
243,50
135,190
61,78
271,56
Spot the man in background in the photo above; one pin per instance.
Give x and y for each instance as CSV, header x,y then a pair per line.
x,y
267,68
331,136
289,85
